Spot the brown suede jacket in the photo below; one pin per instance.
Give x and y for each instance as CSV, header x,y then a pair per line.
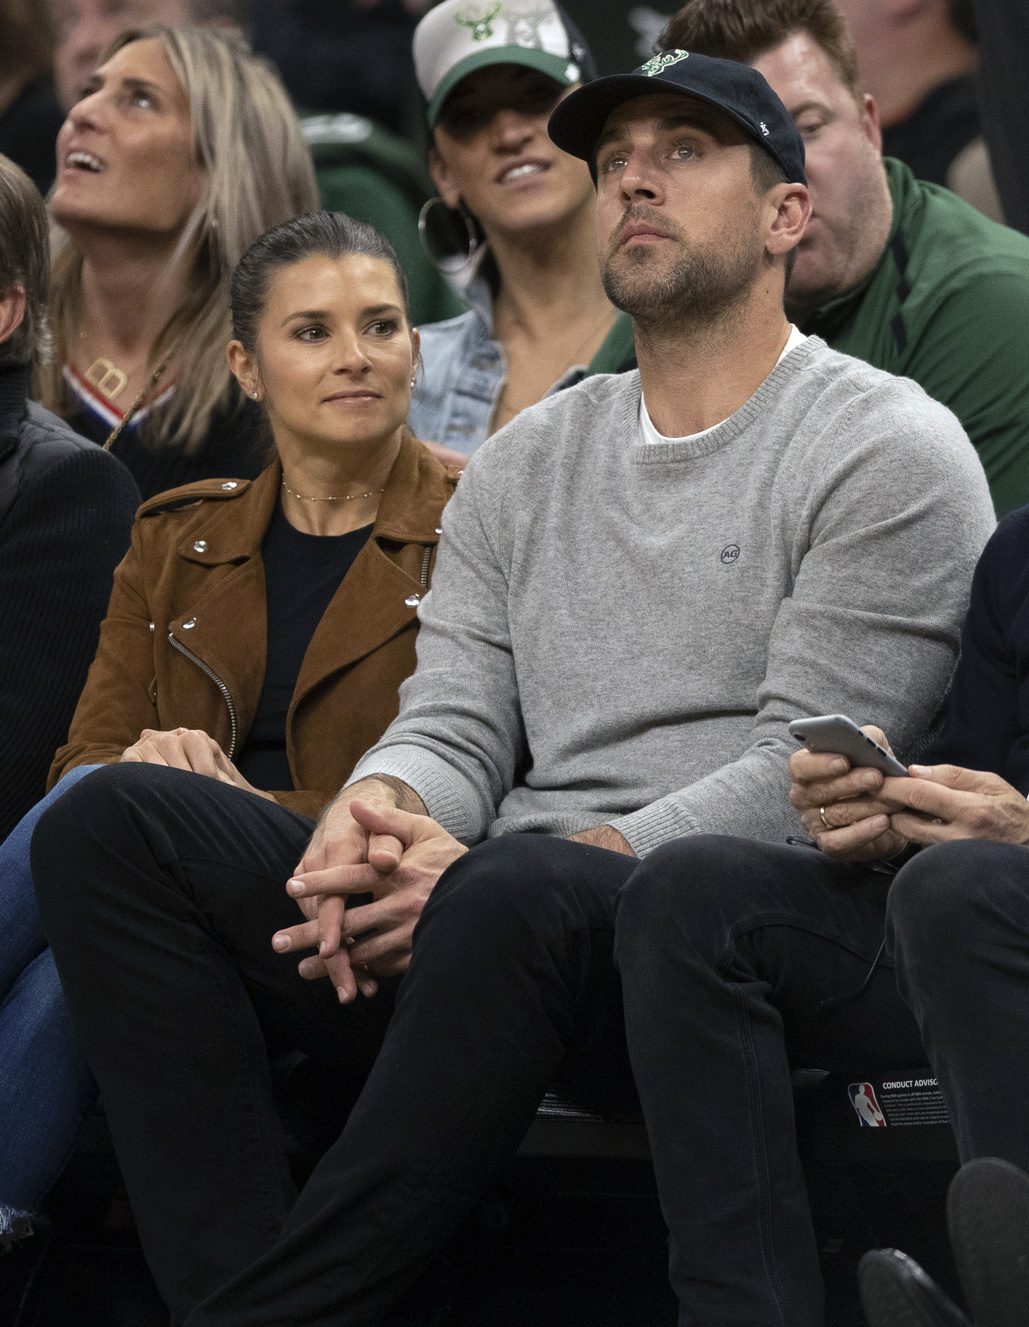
x,y
184,640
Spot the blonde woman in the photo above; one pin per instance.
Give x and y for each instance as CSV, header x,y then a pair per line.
x,y
182,150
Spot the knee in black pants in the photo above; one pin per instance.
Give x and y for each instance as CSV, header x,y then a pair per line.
x,y
955,890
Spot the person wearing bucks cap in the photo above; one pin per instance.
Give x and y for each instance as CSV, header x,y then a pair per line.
x,y
641,579
513,223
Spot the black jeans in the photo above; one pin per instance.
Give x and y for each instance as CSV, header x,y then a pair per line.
x,y
959,925
736,958
160,891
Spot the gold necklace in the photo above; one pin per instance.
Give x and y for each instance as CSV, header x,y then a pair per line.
x,y
344,497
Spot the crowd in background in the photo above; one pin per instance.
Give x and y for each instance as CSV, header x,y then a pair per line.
x,y
224,205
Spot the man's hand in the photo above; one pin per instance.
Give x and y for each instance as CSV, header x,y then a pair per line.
x,y
856,825
342,853
942,802
376,936
188,749
604,836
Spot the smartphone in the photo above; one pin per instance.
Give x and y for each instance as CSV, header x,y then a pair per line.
x,y
840,736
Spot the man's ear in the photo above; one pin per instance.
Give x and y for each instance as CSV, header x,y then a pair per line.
x,y
869,112
791,204
12,311
445,186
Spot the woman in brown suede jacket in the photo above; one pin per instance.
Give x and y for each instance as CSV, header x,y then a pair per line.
x,y
198,613
258,631
185,638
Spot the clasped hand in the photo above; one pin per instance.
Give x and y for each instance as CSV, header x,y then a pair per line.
x,y
860,815
361,849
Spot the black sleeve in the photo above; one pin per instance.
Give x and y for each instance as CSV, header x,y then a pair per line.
x,y
59,544
982,724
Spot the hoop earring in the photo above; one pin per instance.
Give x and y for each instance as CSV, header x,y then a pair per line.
x,y
448,262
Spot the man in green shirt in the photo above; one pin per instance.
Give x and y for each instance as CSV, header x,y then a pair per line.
x,y
896,271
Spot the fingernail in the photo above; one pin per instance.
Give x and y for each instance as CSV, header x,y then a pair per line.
x,y
920,769
280,942
323,947
294,887
344,998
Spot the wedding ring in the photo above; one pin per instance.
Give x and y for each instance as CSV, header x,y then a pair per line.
x,y
821,817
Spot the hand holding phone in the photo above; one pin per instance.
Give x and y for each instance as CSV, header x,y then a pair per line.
x,y
837,735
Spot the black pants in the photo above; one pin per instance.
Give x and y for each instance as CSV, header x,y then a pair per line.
x,y
161,890
959,925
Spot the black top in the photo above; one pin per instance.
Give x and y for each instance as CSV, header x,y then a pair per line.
x,y
28,132
301,574
987,717
66,513
236,447
939,127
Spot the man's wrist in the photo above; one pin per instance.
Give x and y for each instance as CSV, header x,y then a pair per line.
x,y
382,790
604,836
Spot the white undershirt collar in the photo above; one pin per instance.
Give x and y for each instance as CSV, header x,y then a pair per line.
x,y
648,433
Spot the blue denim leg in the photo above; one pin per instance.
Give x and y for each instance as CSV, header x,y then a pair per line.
x,y
45,1087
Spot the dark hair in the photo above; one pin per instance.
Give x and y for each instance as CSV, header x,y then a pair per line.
x,y
765,171
25,262
333,234
744,29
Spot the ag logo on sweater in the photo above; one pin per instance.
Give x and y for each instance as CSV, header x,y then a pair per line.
x,y
729,554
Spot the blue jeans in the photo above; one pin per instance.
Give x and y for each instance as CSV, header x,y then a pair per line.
x,y
45,1087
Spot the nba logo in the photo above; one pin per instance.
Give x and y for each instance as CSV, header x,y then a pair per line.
x,y
862,1098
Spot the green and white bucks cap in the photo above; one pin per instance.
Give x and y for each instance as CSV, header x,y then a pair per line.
x,y
460,36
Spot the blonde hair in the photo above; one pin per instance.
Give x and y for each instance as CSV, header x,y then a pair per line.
x,y
258,173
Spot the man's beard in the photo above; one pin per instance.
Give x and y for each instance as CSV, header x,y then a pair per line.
x,y
698,288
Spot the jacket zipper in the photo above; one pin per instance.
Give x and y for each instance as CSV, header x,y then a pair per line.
x,y
226,694
426,559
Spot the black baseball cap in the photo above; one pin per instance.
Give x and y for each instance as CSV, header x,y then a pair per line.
x,y
741,92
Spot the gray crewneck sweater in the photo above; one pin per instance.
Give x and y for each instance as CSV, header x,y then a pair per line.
x,y
619,632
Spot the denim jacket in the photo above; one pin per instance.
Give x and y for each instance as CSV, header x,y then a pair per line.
x,y
463,371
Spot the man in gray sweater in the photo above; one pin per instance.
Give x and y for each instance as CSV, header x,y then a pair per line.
x,y
641,580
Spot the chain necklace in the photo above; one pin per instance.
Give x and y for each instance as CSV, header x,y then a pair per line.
x,y
148,386
344,497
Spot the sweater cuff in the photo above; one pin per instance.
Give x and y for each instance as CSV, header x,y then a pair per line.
x,y
650,826
449,798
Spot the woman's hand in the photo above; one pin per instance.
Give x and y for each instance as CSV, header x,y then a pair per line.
x,y
839,807
188,749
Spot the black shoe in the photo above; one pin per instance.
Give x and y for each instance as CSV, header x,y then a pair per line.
x,y
988,1219
895,1292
